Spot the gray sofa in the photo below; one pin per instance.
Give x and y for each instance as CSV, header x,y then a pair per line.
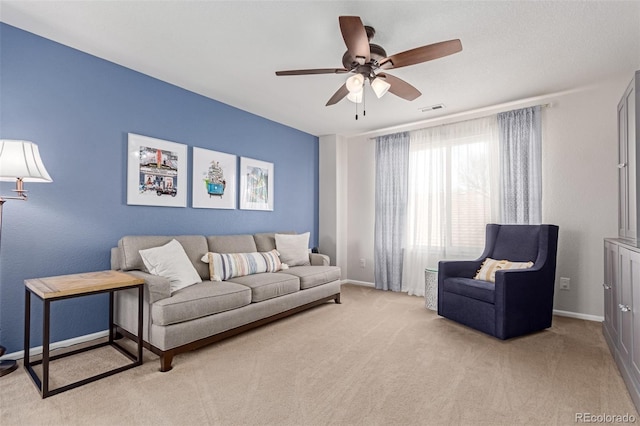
x,y
209,311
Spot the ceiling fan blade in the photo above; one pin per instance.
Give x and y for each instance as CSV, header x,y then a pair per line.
x,y
400,87
422,54
337,97
355,37
313,71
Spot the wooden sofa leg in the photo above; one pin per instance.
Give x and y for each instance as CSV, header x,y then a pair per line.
x,y
165,362
337,299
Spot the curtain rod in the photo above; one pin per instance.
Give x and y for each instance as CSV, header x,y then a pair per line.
x,y
424,124
543,101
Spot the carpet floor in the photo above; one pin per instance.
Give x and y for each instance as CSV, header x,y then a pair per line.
x,y
379,358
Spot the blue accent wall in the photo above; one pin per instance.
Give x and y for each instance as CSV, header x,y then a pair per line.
x,y
78,109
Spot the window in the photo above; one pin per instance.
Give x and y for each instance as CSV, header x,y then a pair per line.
x,y
453,193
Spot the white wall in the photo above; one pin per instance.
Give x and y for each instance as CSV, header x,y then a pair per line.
x,y
332,199
360,208
579,189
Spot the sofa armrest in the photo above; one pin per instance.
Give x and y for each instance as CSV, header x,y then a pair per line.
x,y
115,259
318,259
159,287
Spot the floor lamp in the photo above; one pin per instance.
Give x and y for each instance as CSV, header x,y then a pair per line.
x,y
19,162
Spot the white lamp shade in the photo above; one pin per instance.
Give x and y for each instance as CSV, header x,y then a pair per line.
x,y
21,159
355,83
355,97
380,87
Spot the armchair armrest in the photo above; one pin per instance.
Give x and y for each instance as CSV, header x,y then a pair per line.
x,y
524,286
318,259
523,301
458,268
159,287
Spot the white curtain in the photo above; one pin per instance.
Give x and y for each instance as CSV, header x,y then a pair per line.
x,y
453,194
392,157
521,169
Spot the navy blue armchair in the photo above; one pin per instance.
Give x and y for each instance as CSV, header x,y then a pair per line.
x,y
521,300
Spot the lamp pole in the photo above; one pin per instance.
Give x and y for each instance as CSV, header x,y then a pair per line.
x,y
19,161
7,365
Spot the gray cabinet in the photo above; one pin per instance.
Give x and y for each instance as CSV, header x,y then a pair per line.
x,y
621,326
611,290
628,151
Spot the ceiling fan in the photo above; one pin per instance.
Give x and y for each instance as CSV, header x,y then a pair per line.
x,y
364,60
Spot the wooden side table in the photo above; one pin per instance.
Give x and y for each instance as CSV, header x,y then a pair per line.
x,y
67,286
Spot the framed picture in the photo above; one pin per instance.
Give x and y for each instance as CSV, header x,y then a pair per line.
x,y
256,184
214,179
156,172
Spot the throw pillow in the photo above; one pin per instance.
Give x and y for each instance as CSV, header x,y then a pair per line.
x,y
487,271
293,249
171,261
223,266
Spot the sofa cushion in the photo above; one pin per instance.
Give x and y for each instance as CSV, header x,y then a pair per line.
x,y
194,246
200,300
293,249
223,266
469,287
267,241
231,244
312,276
170,261
268,286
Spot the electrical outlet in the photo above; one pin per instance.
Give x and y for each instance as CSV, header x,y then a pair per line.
x,y
565,283
363,263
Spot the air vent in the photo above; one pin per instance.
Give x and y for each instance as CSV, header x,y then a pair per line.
x,y
431,108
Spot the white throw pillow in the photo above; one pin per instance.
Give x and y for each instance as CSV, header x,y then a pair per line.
x,y
293,249
487,271
171,261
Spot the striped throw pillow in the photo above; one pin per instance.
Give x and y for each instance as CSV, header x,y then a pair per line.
x,y
487,271
223,266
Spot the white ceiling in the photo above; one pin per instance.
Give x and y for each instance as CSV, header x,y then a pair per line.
x,y
230,50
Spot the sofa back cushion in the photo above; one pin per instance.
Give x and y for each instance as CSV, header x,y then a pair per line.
x,y
267,241
230,244
195,246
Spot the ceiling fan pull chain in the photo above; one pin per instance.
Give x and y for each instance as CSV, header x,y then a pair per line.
x,y
364,102
356,110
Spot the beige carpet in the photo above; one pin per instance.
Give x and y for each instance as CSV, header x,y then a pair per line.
x,y
380,358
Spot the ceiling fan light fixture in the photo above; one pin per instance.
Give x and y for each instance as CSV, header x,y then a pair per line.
x,y
380,87
355,83
355,97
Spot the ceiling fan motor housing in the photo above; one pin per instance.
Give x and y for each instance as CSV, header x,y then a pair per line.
x,y
377,54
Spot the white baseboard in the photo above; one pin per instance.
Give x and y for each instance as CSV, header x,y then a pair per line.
x,y
578,315
362,283
58,345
